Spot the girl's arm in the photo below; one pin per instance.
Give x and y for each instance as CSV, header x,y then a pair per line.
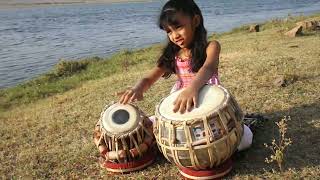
x,y
189,97
209,67
141,86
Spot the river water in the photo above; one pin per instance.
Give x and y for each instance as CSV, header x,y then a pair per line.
x,y
34,39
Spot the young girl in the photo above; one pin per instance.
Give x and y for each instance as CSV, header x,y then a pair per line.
x,y
188,54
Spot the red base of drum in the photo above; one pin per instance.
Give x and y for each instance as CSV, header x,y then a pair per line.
x,y
214,173
136,165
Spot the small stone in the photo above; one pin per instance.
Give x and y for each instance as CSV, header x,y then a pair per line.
x,y
285,80
293,46
297,31
280,82
318,25
254,28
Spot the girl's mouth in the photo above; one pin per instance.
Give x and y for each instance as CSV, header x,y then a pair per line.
x,y
180,42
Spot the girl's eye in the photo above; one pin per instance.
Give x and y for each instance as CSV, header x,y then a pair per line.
x,y
179,27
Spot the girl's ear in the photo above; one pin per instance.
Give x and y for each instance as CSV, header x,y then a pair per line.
x,y
196,20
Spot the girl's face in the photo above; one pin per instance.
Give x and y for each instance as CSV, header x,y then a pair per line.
x,y
182,33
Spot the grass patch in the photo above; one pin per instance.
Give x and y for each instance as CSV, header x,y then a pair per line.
x,y
69,74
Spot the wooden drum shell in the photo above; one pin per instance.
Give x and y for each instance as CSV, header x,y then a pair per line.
x,y
128,146
204,142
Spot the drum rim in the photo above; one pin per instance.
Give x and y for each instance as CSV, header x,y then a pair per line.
x,y
125,133
193,120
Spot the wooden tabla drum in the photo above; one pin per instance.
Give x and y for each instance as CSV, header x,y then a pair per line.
x,y
124,138
203,138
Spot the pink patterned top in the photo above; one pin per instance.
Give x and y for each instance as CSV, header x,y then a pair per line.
x,y
185,75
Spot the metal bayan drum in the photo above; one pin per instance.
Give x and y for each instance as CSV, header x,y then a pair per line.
x,y
204,138
124,138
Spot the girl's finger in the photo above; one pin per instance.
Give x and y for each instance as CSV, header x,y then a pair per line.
x,y
125,99
176,105
176,100
122,98
127,96
195,101
189,105
183,105
133,98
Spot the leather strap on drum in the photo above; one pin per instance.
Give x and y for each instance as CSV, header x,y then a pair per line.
x,y
171,141
209,134
189,144
126,147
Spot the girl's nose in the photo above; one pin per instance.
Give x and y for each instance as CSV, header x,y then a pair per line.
x,y
175,35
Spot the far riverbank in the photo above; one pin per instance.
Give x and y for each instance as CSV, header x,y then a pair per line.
x,y
34,3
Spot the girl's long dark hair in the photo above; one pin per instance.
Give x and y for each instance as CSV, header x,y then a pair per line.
x,y
199,45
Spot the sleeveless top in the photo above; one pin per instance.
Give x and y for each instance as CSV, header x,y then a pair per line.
x,y
185,75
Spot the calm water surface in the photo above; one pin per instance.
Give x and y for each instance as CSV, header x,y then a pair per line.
x,y
32,40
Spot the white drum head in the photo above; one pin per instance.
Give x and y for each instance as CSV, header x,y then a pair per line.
x,y
119,119
210,99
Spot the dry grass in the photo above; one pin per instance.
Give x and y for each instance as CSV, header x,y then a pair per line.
x,y
52,137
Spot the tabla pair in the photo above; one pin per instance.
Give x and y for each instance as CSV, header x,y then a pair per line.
x,y
199,142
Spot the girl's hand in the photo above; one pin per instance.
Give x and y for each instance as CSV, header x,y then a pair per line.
x,y
131,95
136,93
187,99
